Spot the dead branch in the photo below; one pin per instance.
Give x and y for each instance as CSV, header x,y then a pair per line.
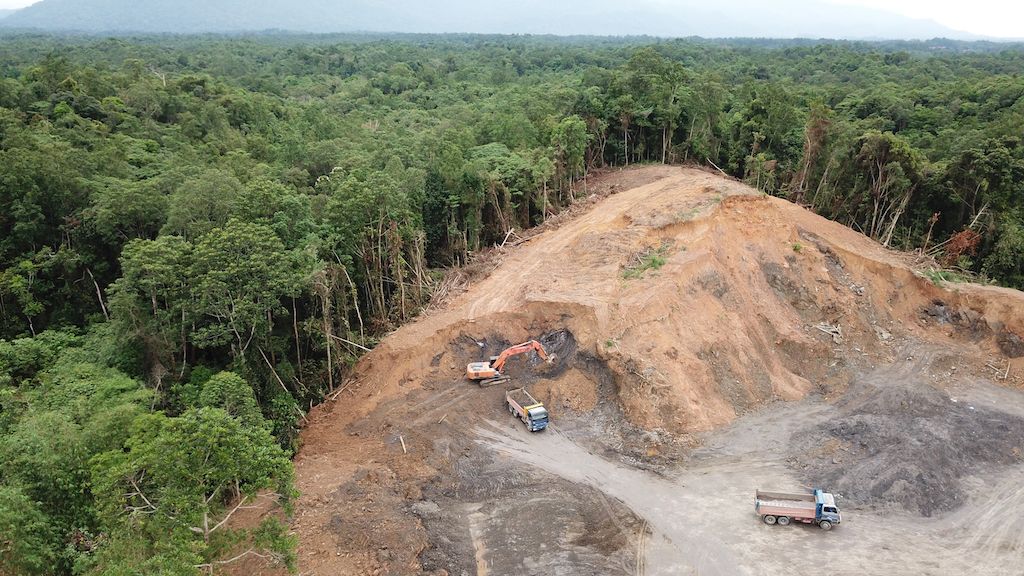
x,y
344,387
99,294
836,332
350,343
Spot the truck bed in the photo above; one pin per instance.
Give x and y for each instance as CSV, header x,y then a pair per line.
x,y
784,496
785,504
793,504
520,397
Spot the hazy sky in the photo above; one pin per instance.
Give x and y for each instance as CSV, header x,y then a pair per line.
x,y
1001,18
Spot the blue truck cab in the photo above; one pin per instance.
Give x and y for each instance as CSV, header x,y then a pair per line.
x,y
825,507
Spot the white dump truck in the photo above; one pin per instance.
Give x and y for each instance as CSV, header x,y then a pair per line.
x,y
815,507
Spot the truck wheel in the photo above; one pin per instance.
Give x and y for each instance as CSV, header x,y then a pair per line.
x,y
769,520
825,525
783,520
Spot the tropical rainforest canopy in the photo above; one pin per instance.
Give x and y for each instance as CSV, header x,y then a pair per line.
x,y
198,235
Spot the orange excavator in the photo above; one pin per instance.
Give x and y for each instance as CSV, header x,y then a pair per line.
x,y
489,373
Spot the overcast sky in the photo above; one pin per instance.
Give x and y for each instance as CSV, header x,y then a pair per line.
x,y
999,18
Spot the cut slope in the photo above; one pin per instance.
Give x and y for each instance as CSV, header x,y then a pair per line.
x,y
729,322
755,300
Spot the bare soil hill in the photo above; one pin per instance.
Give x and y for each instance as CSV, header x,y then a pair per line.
x,y
709,340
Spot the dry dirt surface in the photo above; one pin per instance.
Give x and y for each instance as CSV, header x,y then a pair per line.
x,y
709,341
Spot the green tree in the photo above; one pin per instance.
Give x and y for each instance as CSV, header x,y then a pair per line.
x,y
1006,262
229,392
166,499
201,204
281,208
894,170
26,539
569,142
153,298
239,274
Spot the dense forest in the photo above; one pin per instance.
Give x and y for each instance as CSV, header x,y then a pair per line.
x,y
199,235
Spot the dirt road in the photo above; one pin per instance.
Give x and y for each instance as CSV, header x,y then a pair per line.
x,y
701,517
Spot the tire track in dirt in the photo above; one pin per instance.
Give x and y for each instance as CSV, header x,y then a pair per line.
x,y
436,410
676,546
700,523
994,527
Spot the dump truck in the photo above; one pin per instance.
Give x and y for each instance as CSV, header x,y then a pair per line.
x,y
525,407
814,507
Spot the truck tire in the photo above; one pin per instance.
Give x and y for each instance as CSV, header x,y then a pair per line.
x,y
769,519
783,520
825,525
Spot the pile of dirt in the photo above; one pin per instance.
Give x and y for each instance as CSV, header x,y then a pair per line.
x,y
898,441
673,307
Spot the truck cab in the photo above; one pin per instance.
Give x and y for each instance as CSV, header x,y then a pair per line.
x,y
538,417
825,507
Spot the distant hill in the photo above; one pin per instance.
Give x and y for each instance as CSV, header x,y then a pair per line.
x,y
5,13
725,18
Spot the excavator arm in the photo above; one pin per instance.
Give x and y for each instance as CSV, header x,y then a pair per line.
x,y
523,348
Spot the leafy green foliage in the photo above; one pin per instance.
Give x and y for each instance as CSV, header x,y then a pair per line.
x,y
231,393
940,277
24,534
168,495
22,359
238,275
648,259
1006,262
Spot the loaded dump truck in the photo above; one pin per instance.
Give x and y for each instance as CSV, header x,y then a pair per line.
x,y
525,407
815,507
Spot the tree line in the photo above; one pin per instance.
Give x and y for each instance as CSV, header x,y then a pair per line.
x,y
198,236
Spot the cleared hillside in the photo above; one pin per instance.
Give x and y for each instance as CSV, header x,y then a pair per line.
x,y
709,340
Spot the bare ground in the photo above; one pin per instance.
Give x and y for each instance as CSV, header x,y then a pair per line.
x,y
773,349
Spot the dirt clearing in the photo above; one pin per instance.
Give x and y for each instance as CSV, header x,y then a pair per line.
x,y
710,341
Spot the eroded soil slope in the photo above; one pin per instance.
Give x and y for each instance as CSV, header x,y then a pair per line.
x,y
683,312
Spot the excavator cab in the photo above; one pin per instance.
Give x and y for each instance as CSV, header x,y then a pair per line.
x,y
480,370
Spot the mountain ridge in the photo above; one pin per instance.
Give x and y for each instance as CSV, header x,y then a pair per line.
x,y
729,18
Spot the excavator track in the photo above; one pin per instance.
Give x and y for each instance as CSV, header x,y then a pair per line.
x,y
487,383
